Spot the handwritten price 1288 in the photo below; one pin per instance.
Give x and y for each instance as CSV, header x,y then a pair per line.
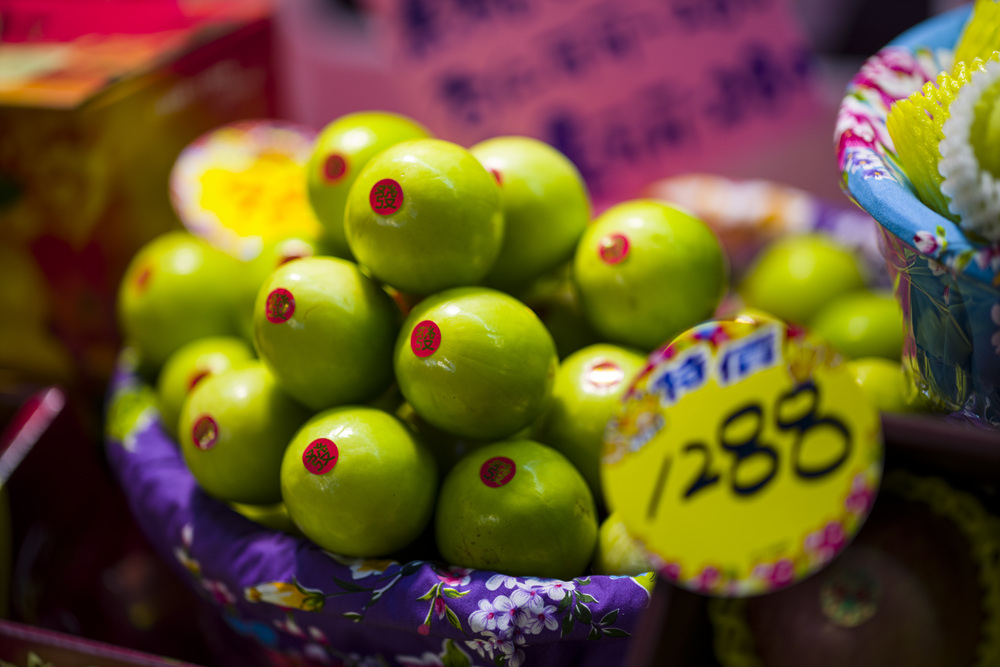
x,y
743,447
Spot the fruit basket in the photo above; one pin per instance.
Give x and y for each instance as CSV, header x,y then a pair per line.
x,y
946,283
304,605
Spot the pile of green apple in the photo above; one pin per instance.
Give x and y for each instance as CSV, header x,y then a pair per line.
x,y
441,363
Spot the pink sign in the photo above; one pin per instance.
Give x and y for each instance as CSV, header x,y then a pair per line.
x,y
630,91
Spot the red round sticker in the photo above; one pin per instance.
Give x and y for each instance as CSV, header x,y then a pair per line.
x,y
334,167
605,375
320,456
280,306
386,197
197,377
291,250
142,279
205,433
613,248
425,339
497,471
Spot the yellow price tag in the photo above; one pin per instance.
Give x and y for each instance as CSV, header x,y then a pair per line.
x,y
744,457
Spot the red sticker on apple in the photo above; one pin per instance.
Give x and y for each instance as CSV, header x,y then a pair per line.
x,y
605,375
613,248
293,249
425,339
497,176
386,197
497,471
197,377
280,306
334,167
320,456
142,279
205,433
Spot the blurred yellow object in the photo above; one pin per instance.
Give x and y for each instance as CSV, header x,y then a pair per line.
x,y
981,35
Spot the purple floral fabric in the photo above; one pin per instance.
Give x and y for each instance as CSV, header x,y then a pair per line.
x,y
303,605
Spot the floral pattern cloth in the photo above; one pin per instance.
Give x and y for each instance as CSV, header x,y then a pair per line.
x,y
305,606
947,284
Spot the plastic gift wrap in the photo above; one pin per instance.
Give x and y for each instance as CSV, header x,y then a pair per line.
x,y
947,285
303,605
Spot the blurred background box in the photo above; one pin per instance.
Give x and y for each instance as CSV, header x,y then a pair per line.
x,y
96,101
631,92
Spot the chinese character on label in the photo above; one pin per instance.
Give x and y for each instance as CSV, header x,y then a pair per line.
x,y
682,376
320,456
748,355
386,197
497,471
613,248
425,339
280,306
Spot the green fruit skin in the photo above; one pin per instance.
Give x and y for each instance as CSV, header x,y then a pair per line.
x,y
376,499
673,277
885,384
355,137
448,231
618,553
272,517
546,207
337,347
553,297
256,420
583,400
257,270
493,372
447,448
190,364
862,323
176,289
542,523
795,276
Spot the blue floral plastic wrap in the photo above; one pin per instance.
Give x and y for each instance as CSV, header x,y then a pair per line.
x,y
306,606
948,285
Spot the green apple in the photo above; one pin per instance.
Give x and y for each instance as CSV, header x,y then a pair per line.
x,y
272,517
233,431
326,331
425,215
588,388
447,448
794,276
255,271
176,289
546,207
358,482
192,363
475,362
886,384
862,323
341,150
517,507
555,300
618,553
646,271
